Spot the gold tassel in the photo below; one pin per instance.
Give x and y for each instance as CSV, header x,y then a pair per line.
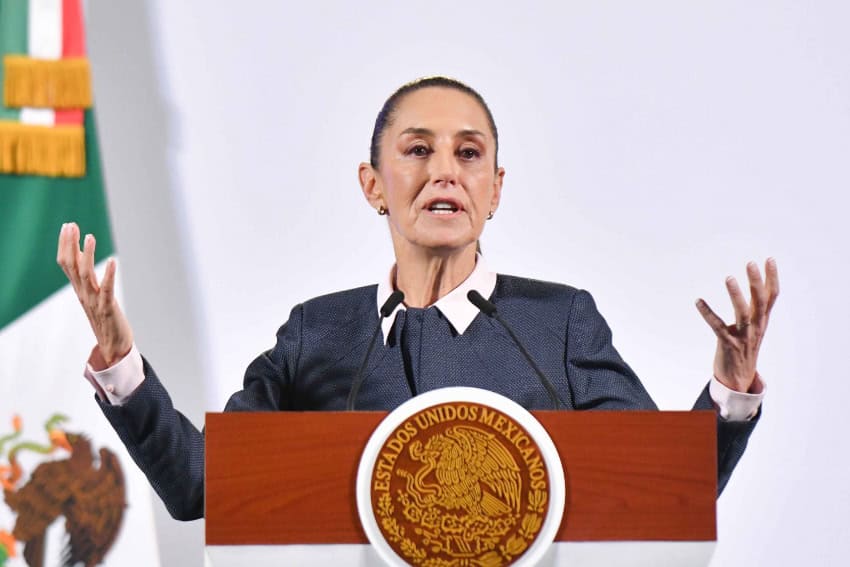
x,y
47,83
52,151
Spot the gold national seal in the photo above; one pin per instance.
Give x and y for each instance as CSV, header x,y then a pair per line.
x,y
460,485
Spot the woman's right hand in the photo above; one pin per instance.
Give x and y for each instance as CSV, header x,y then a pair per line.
x,y
110,325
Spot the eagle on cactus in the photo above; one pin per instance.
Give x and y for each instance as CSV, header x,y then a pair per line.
x,y
88,493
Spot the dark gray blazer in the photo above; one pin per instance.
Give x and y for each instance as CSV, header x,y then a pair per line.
x,y
321,347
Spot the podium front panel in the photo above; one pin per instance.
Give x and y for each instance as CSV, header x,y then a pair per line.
x,y
288,478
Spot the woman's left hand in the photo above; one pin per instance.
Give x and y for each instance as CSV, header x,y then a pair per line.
x,y
738,344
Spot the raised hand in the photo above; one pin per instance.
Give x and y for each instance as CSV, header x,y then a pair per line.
x,y
110,326
738,344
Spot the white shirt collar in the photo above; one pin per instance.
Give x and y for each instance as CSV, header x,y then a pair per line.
x,y
454,305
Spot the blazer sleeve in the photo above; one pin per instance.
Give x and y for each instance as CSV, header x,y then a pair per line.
x,y
597,374
732,438
169,449
600,379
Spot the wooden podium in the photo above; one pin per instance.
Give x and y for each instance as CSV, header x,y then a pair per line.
x,y
280,487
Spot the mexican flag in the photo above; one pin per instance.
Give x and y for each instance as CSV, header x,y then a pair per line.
x,y
70,493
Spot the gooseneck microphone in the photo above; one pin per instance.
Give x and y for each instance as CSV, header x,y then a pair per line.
x,y
386,310
489,309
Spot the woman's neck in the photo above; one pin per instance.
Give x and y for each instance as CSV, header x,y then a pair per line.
x,y
425,277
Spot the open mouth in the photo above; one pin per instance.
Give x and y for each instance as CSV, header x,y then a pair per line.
x,y
443,207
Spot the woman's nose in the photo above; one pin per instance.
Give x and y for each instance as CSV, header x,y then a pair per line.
x,y
443,168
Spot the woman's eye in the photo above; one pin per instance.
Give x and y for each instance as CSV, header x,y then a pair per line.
x,y
419,151
469,153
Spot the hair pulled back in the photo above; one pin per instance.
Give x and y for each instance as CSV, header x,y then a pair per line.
x,y
385,116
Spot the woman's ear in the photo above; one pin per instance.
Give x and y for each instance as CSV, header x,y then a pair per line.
x,y
497,189
370,183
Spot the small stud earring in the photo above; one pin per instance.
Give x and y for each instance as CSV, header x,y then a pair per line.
x,y
382,210
490,216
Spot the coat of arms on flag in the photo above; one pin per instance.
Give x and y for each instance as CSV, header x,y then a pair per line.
x,y
88,496
69,494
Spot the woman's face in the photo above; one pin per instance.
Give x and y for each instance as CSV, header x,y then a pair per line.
x,y
436,173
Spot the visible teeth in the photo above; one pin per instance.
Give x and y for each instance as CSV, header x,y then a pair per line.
x,y
443,207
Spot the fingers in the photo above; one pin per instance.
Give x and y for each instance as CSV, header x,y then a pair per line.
x,y
107,286
739,303
763,294
716,323
67,253
113,332
59,246
86,263
772,276
757,291
77,264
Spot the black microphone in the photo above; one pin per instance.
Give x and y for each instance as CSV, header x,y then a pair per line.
x,y
386,310
489,309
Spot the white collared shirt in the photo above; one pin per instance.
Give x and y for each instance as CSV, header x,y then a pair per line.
x,y
454,306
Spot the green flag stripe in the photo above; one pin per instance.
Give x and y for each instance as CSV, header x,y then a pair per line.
x,y
13,39
32,210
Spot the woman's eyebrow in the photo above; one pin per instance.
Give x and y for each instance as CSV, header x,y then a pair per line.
x,y
470,132
419,132
460,133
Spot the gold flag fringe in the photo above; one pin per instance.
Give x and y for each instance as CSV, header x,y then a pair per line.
x,y
47,83
52,151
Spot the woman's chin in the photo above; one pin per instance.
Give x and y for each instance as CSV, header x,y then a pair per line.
x,y
445,240
447,246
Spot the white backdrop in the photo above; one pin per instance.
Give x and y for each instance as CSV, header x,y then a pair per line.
x,y
651,150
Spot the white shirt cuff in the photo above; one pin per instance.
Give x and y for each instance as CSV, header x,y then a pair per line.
x,y
118,382
736,406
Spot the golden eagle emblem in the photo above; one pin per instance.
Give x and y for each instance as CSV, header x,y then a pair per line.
x,y
459,485
90,496
473,471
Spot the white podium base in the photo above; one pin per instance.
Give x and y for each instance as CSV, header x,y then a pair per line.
x,y
572,554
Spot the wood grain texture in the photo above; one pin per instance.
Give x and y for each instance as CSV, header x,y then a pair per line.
x,y
289,477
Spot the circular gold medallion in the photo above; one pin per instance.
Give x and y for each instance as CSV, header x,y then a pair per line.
x,y
460,477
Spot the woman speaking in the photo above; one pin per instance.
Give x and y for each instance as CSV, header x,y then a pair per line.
x,y
440,318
